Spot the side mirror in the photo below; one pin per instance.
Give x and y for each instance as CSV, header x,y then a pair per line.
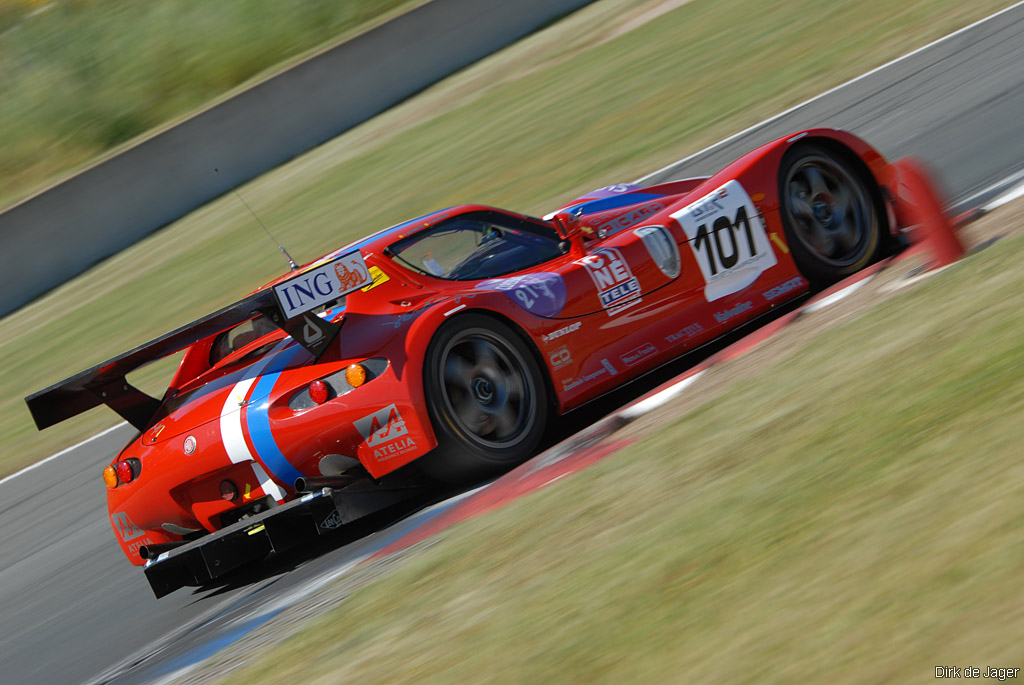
x,y
570,229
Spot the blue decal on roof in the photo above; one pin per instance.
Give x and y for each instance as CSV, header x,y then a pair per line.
x,y
615,202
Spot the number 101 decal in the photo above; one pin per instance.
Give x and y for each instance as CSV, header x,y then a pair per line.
x,y
728,240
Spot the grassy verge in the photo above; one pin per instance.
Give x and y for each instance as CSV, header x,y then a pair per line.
x,y
574,107
80,78
849,515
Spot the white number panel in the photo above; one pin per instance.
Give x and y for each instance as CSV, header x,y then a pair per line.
x,y
728,240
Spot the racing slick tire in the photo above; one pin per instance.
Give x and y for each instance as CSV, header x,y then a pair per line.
x,y
830,213
486,398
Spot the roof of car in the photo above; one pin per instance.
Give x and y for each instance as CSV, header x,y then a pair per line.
x,y
381,239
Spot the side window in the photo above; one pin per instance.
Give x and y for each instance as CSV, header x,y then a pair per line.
x,y
477,246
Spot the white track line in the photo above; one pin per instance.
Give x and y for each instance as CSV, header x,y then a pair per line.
x,y
1003,199
64,451
1003,182
830,91
830,300
657,400
1009,196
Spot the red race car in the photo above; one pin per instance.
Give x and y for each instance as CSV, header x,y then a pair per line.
x,y
452,341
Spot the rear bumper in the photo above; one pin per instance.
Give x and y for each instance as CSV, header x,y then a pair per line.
x,y
281,528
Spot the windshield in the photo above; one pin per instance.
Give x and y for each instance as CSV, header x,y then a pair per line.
x,y
476,246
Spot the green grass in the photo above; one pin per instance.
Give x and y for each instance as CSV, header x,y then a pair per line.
x,y
851,514
80,78
571,108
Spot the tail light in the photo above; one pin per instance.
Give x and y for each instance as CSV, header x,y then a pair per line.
x,y
338,383
318,392
122,472
355,375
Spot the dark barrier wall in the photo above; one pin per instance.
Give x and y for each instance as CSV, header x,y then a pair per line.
x,y
61,232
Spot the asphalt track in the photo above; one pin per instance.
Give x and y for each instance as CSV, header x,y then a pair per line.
x,y
72,610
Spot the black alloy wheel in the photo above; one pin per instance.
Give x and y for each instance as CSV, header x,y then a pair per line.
x,y
829,212
486,398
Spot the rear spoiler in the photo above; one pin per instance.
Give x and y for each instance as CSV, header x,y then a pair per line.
x,y
287,304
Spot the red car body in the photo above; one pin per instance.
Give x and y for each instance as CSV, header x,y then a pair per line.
x,y
637,280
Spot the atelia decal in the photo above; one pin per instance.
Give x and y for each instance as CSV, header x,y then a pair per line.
x,y
385,431
125,527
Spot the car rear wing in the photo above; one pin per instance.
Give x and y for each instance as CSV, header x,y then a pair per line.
x,y
288,304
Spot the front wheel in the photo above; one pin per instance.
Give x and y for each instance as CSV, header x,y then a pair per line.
x,y
829,212
486,399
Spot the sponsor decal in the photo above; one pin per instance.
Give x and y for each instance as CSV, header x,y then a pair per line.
x,y
378,277
134,547
542,294
349,276
623,221
638,354
394,449
606,368
125,527
560,357
685,333
386,433
613,189
323,284
564,330
728,239
382,426
190,445
725,315
780,290
662,248
617,287
311,333
331,522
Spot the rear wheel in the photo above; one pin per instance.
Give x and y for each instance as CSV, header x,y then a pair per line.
x,y
486,399
829,212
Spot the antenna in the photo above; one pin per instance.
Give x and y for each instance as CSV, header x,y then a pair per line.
x,y
291,262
